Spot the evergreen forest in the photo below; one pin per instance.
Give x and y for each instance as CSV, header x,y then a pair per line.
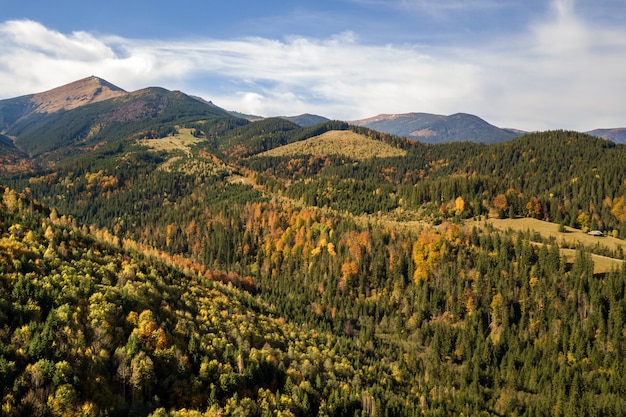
x,y
166,264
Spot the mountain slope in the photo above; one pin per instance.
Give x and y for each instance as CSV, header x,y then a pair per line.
x,y
432,128
87,326
67,97
76,94
66,131
11,158
398,315
617,135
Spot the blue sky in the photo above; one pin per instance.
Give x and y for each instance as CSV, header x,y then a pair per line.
x,y
530,65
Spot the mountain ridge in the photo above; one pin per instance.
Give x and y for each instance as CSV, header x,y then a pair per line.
x,y
617,135
91,112
435,128
425,127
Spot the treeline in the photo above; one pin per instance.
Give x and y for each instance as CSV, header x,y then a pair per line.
x,y
563,177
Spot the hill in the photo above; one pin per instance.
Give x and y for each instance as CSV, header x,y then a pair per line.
x,y
89,327
432,128
338,142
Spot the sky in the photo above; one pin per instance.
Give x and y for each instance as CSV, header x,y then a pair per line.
x,y
530,65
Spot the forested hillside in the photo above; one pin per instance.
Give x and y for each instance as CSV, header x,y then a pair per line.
x,y
447,320
89,329
559,176
11,158
175,260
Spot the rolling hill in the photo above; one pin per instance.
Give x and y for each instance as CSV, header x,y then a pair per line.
x,y
338,142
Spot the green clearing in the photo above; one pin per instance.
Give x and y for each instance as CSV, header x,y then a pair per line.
x,y
568,239
338,142
182,141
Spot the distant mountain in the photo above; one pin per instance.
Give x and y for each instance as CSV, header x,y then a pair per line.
x,y
89,112
305,120
248,117
617,135
432,128
76,94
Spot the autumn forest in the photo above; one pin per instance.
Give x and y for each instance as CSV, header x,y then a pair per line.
x,y
181,261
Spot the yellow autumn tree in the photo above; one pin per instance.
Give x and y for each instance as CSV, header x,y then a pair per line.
x,y
426,255
618,208
459,205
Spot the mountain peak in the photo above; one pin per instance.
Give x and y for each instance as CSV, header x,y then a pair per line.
x,y
75,94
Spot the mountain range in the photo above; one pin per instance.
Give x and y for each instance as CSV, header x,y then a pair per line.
x,y
432,128
82,113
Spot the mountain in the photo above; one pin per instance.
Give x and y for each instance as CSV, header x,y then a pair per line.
x,y
306,119
76,94
432,128
91,112
617,135
67,97
303,120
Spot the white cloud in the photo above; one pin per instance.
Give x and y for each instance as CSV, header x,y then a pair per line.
x,y
36,58
560,72
563,72
336,75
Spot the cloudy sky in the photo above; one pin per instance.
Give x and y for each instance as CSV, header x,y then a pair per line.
x,y
532,65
